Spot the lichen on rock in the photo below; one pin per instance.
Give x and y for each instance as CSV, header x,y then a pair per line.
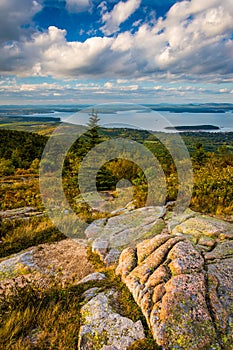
x,y
183,281
103,328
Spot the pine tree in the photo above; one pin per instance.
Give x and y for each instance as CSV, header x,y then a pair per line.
x,y
199,155
93,129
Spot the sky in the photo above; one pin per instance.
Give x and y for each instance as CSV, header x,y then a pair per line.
x,y
138,51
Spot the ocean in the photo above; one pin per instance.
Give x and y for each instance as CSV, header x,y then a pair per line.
x,y
131,116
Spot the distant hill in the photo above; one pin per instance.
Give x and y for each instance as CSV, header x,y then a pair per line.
x,y
193,108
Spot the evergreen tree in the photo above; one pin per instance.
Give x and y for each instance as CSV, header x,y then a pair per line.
x,y
93,129
199,156
89,139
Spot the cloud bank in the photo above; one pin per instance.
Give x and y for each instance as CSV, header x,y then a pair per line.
x,y
193,41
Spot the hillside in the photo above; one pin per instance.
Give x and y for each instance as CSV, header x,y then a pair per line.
x,y
144,270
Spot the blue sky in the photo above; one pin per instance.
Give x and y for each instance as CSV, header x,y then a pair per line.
x,y
140,51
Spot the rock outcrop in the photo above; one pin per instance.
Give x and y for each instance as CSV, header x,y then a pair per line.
x,y
20,213
108,236
104,328
66,259
178,269
102,325
183,282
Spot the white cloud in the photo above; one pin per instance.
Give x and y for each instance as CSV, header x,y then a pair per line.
x,y
14,14
108,85
122,81
14,87
15,91
132,87
103,7
120,13
76,6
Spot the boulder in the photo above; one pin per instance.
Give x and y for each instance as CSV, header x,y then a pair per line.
x,y
103,328
96,276
20,263
183,282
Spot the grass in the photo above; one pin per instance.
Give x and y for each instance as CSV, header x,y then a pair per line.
x,y
33,316
40,318
145,344
17,235
20,193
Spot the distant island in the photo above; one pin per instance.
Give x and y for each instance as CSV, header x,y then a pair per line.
x,y
29,119
193,108
193,127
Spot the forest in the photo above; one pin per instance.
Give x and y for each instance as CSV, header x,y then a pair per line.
x,y
211,155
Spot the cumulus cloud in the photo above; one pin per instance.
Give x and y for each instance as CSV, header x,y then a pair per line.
x,y
14,14
14,87
49,53
192,41
100,91
120,13
76,6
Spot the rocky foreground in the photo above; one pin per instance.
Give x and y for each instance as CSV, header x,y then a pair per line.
x,y
178,269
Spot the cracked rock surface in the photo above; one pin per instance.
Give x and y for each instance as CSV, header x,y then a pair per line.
x,y
119,231
183,282
103,328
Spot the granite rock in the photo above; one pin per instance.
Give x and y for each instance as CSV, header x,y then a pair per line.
x,y
183,281
103,328
119,231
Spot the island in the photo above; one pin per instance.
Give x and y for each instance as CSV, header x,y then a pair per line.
x,y
193,127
